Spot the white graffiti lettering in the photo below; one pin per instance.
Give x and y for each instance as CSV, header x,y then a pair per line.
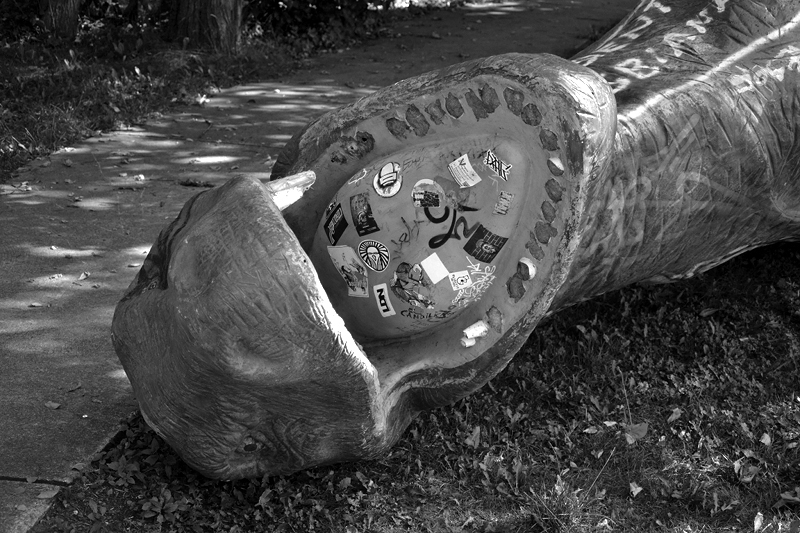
x,y
481,281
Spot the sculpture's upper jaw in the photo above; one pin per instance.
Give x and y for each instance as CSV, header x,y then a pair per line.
x,y
444,219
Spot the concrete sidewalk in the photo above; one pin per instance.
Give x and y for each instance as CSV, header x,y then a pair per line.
x,y
76,226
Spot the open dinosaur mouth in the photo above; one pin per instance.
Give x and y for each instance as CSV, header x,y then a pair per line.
x,y
441,224
415,240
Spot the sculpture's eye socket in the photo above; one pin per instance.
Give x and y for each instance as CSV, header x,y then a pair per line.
x,y
410,241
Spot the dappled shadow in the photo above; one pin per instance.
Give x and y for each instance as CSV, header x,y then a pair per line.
x,y
77,226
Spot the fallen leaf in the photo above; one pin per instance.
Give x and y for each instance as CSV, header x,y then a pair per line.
x,y
475,439
47,494
634,432
676,414
635,488
747,473
758,520
21,507
766,440
52,405
591,430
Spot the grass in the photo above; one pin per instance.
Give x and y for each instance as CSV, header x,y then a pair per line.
x,y
674,408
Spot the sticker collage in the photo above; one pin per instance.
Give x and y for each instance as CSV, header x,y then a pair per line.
x,y
421,291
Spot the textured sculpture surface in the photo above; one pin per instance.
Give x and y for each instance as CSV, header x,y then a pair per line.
x,y
450,213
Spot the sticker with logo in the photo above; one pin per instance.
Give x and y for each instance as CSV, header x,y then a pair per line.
x,y
460,280
388,180
462,171
374,254
484,245
335,224
427,193
361,213
503,203
351,269
411,285
382,297
497,165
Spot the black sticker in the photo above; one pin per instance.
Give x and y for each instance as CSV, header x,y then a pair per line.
x,y
335,225
484,245
361,213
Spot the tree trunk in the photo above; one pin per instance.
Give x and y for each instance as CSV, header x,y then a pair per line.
x,y
214,24
60,17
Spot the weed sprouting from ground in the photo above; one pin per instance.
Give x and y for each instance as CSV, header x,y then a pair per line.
x,y
671,408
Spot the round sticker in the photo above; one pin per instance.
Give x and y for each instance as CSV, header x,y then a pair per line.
x,y
427,193
388,180
374,254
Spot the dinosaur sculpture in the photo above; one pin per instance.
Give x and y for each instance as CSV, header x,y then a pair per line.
x,y
449,213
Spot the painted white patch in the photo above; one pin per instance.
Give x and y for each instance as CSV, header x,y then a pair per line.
x,y
434,268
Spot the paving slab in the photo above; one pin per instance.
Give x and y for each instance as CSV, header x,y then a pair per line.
x,y
77,225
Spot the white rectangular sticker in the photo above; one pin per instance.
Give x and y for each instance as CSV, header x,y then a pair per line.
x,y
382,297
460,280
434,268
462,171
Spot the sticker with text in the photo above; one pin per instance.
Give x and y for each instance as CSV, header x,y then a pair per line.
x,y
503,203
499,167
388,180
361,213
374,254
382,297
434,268
460,280
427,193
335,224
484,245
462,171
351,269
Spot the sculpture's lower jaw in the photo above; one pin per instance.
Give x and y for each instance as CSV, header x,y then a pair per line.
x,y
232,334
